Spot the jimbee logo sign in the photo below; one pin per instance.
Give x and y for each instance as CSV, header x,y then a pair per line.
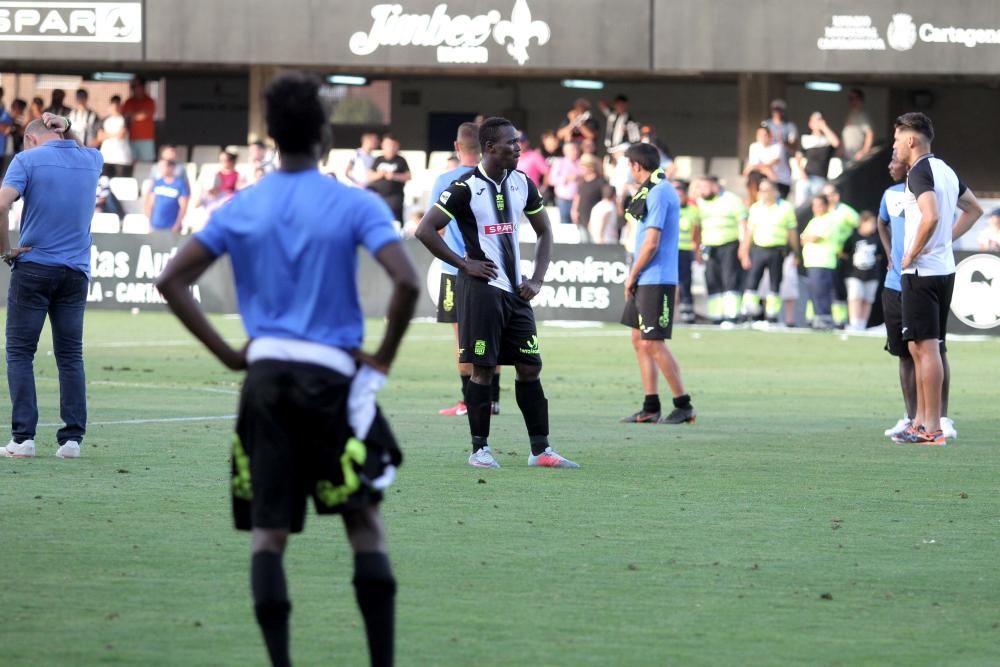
x,y
94,22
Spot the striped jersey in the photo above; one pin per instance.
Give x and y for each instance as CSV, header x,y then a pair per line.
x,y
488,215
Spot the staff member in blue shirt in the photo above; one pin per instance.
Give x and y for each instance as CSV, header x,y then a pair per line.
x,y
57,178
651,286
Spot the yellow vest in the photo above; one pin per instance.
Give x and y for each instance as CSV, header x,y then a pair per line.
x,y
690,218
720,219
822,254
769,225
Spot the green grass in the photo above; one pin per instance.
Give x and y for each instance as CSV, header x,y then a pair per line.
x,y
704,545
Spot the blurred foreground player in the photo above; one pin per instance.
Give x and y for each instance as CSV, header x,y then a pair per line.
x,y
495,322
308,422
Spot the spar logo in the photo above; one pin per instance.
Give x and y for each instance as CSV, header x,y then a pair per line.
x,y
457,39
976,301
505,228
71,22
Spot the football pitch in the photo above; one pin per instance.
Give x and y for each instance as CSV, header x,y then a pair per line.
x,y
781,529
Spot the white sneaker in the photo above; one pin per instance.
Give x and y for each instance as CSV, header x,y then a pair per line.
x,y
23,450
948,428
69,450
483,459
900,426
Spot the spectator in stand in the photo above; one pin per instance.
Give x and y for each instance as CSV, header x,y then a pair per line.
x,y
989,238
589,191
107,202
579,123
36,109
85,123
58,106
820,246
767,159
551,151
647,135
3,105
563,177
388,175
6,128
532,162
858,135
168,152
139,111
865,261
816,149
17,109
167,201
227,183
603,222
113,138
688,250
782,130
261,160
361,162
621,127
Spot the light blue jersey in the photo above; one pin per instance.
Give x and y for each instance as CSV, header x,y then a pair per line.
x,y
292,240
891,211
57,182
452,237
663,210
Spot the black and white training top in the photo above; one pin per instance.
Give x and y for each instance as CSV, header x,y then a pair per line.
x,y
929,174
488,215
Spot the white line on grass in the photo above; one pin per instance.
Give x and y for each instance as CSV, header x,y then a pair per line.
x,y
162,420
149,385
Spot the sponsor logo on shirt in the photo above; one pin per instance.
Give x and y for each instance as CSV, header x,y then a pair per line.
x,y
505,228
445,196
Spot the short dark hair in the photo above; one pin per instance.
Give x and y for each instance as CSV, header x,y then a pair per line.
x,y
858,93
489,130
918,122
116,99
621,98
294,113
82,92
644,155
681,183
822,198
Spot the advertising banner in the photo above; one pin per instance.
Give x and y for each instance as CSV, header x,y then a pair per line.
x,y
71,30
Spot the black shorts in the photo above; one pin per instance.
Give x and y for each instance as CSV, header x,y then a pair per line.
x,y
293,441
447,299
495,328
723,272
926,303
651,311
772,259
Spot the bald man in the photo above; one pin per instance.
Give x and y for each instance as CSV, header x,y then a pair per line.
x,y
57,178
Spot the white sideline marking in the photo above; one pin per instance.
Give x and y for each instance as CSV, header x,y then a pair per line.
x,y
149,385
162,420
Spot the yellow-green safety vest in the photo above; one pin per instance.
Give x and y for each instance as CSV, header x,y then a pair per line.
x,y
720,219
769,225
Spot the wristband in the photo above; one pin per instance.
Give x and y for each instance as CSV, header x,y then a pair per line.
x,y
68,123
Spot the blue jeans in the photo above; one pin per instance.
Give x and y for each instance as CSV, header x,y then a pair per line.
x,y
821,290
565,211
60,292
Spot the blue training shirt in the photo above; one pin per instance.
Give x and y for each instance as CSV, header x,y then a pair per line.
x,y
293,240
663,210
166,202
452,236
57,182
891,211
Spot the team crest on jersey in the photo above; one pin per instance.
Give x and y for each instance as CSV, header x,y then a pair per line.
x,y
505,228
480,348
445,196
500,202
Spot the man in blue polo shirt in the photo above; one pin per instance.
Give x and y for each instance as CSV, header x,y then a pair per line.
x,y
652,284
57,179
891,229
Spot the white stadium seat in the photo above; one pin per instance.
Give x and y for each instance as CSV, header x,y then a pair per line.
x,y
336,162
555,217
417,161
565,234
205,154
438,161
835,169
105,223
135,223
689,167
125,188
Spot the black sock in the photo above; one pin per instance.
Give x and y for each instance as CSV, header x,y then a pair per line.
x,y
465,384
651,403
535,410
270,597
495,394
477,401
375,590
682,401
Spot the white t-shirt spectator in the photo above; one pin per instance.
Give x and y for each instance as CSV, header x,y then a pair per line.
x,y
760,154
603,223
115,151
855,128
